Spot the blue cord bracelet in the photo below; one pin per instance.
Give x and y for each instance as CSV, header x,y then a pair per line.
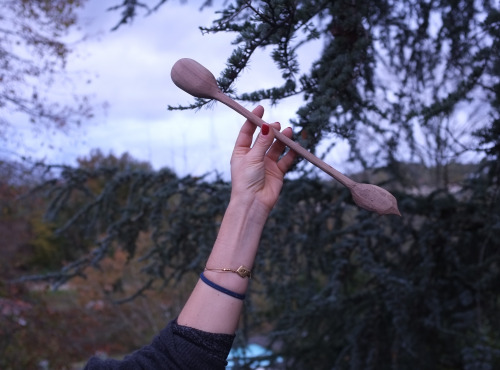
x,y
221,289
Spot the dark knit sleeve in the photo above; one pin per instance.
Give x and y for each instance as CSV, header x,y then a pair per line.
x,y
176,347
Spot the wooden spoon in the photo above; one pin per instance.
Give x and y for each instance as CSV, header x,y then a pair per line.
x,y
195,79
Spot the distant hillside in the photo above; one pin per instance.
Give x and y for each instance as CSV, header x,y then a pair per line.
x,y
417,178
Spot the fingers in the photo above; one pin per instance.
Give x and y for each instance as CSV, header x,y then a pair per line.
x,y
263,142
286,162
277,148
245,137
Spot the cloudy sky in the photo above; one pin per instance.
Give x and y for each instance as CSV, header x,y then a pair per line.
x,y
130,73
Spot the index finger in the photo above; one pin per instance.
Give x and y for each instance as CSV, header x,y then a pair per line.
x,y
245,137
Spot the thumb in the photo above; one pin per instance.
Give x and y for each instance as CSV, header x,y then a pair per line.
x,y
264,141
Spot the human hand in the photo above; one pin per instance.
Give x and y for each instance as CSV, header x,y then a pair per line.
x,y
257,172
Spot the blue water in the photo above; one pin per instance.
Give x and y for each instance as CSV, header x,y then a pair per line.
x,y
244,355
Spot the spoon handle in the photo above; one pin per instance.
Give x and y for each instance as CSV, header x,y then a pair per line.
x,y
296,147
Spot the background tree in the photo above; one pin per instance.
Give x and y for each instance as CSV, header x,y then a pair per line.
x,y
338,287
33,55
390,80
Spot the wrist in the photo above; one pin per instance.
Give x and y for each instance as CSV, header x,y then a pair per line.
x,y
251,206
239,235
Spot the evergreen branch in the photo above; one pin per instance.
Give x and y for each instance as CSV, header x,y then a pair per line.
x,y
146,286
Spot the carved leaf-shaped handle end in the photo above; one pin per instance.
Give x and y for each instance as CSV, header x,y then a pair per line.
x,y
375,199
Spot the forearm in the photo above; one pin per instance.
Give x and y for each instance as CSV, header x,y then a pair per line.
x,y
208,309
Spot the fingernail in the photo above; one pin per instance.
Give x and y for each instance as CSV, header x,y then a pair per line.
x,y
264,129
